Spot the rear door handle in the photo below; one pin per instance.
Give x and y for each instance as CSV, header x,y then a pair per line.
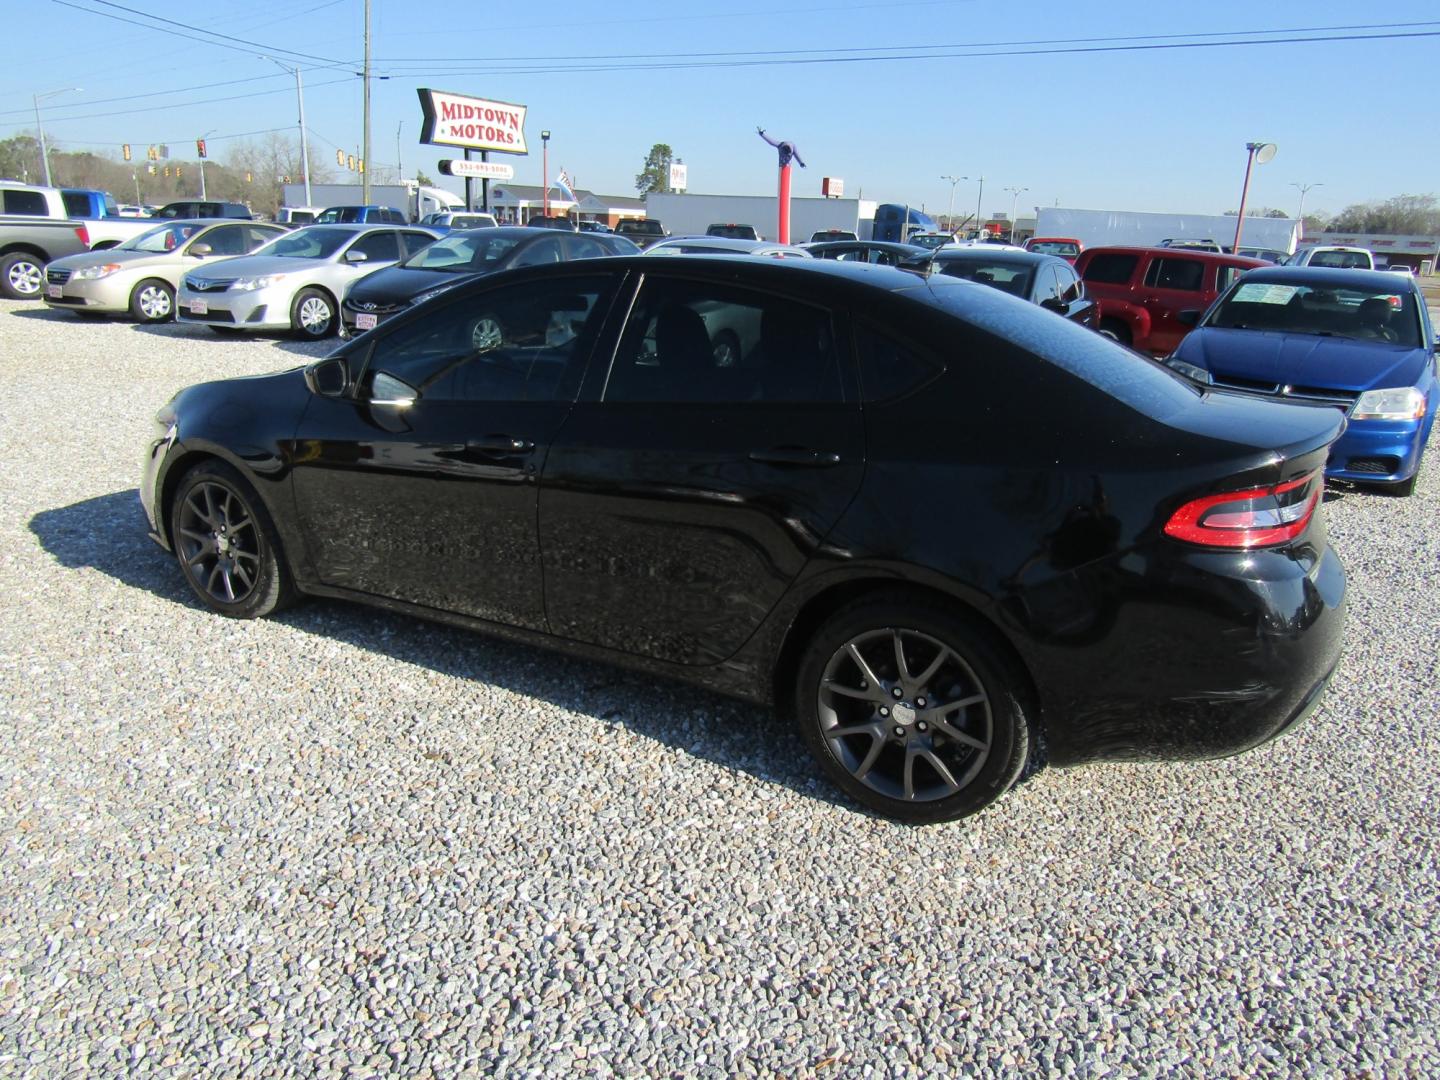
x,y
499,445
799,456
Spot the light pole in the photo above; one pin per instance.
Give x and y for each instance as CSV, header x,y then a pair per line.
x,y
304,140
202,160
1260,152
40,131
1300,214
1014,195
399,167
950,214
545,168
365,153
978,196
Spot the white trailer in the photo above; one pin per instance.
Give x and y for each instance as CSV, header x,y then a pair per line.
x,y
414,200
691,215
1094,228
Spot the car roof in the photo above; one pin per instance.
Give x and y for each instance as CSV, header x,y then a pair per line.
x,y
1329,276
995,254
879,245
729,243
1168,252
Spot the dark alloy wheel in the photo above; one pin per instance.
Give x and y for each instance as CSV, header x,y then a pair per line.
x,y
912,711
226,544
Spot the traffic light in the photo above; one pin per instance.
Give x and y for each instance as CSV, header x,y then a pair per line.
x,y
362,165
350,164
153,153
200,148
167,170
340,158
150,169
177,170
125,151
248,178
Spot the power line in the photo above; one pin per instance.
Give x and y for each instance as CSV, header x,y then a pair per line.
x,y
184,104
181,139
153,93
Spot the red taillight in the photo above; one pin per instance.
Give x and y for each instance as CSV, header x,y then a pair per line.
x,y
83,234
1257,517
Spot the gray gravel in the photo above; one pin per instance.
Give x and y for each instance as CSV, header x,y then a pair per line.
x,y
341,843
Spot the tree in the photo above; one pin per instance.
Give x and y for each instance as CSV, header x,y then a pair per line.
x,y
423,178
20,159
266,161
1417,215
656,174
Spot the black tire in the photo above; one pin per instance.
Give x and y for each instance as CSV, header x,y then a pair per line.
x,y
22,276
152,301
226,544
1402,488
962,734
1116,330
305,318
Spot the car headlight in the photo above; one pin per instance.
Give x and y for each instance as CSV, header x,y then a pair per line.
x,y
1392,403
89,273
263,281
1190,371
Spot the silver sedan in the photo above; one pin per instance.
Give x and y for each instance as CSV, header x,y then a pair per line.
x,y
141,275
295,282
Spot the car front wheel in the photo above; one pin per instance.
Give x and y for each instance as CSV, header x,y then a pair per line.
x,y
153,301
312,316
912,711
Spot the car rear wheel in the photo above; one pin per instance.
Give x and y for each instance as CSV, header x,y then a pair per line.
x,y
1115,330
152,301
312,316
912,711
227,545
21,276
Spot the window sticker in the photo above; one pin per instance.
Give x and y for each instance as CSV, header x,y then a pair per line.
x,y
1255,293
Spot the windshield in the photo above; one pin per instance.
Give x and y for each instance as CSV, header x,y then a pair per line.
x,y
1361,314
930,240
307,244
163,238
464,253
340,215
1054,247
1007,277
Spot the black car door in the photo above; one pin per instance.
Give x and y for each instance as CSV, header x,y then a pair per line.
x,y
422,485
697,474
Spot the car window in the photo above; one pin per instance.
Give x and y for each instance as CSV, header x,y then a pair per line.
x,y
1111,269
415,241
1185,275
1071,290
890,370
583,247
310,243
1341,260
227,240
26,202
382,245
701,342
1225,276
519,343
543,251
1047,285
77,203
260,234
1013,278
161,239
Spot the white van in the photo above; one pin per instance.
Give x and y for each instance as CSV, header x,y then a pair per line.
x,y
1337,258
295,216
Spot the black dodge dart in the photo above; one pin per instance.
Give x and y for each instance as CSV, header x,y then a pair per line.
x,y
953,536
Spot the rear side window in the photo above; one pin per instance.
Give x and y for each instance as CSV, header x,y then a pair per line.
x,y
1185,275
77,203
1070,288
1111,269
26,202
890,370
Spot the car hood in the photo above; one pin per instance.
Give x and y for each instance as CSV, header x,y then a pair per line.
x,y
1332,363
400,284
114,255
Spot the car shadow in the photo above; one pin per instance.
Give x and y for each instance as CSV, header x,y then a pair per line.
x,y
110,534
311,350
46,314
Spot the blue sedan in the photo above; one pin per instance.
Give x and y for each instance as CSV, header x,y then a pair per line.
x,y
1360,340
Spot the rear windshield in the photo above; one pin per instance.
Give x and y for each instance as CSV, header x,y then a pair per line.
x,y
1341,260
1361,314
1007,277
735,232
464,253
649,228
308,243
1053,247
341,215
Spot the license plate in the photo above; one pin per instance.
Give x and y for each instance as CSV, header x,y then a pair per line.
x,y
199,307
56,291
366,322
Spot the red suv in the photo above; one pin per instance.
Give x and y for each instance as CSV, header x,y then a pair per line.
x,y
1142,291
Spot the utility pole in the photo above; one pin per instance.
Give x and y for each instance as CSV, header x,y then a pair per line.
x,y
950,214
40,131
1014,195
304,139
399,167
979,197
365,154
1300,214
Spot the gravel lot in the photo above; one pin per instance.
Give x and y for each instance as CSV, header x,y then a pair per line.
x,y
345,843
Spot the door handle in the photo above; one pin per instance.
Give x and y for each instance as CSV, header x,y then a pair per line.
x,y
499,444
800,456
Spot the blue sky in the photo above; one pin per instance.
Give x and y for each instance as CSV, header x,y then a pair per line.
x,y
1150,129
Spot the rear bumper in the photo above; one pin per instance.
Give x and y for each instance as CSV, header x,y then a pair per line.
x,y
1212,653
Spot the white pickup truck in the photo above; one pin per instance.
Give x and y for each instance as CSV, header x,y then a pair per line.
x,y
101,217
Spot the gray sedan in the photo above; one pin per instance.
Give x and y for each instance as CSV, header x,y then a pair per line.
x,y
297,281
141,275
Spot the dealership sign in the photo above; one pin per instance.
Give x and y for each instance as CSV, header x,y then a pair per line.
x,y
487,170
471,122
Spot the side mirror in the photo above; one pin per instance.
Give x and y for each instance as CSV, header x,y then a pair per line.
x,y
328,378
1189,317
199,251
1055,304
353,256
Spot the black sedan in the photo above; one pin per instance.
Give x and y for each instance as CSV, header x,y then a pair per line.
x,y
1047,280
953,536
881,252
461,256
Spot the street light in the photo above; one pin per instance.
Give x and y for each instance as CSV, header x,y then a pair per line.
x,y
304,141
1260,153
545,169
1300,214
40,131
202,161
980,194
950,214
1014,195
